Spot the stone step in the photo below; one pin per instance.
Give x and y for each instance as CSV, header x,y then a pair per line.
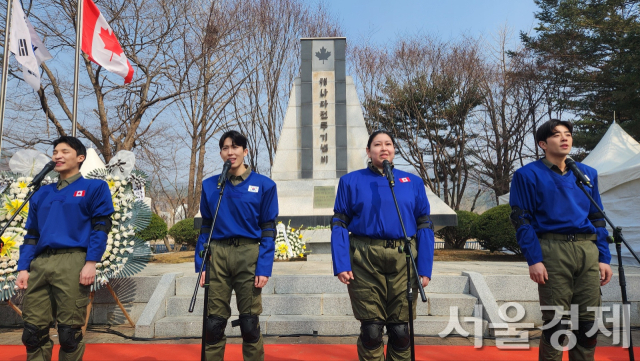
x,y
282,325
284,284
319,257
329,304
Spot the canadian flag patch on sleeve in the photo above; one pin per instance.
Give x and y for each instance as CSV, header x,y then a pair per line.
x,y
405,180
79,194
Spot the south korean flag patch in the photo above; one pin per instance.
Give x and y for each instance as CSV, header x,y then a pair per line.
x,y
254,189
405,180
79,193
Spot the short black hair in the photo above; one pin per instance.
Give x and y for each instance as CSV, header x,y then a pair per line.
x,y
378,132
74,143
236,139
546,130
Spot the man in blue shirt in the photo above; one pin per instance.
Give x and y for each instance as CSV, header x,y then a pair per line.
x,y
242,248
563,237
67,229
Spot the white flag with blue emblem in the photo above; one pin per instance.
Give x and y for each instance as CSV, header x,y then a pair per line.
x,y
25,47
41,52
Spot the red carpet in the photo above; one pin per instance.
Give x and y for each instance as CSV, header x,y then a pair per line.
x,y
174,352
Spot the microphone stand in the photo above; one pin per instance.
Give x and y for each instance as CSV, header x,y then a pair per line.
x,y
24,203
618,239
205,266
410,264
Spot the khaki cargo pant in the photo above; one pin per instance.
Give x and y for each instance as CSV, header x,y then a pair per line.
x,y
574,278
233,268
54,293
378,290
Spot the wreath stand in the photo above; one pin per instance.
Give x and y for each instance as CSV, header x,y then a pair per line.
x,y
15,308
89,306
115,297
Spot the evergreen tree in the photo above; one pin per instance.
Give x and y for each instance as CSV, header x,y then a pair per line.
x,y
591,50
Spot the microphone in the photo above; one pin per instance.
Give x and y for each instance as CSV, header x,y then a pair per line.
x,y
387,171
577,172
223,176
43,173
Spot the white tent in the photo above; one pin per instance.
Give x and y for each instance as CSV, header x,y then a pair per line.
x,y
615,148
617,160
618,165
91,162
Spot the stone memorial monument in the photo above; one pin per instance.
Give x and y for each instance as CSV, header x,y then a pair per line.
x,y
323,138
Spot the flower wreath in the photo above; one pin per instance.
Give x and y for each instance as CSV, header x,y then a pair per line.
x,y
125,255
289,242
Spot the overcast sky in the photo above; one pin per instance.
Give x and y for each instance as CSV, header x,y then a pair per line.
x,y
382,20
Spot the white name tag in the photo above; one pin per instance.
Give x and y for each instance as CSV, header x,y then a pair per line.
x,y
254,189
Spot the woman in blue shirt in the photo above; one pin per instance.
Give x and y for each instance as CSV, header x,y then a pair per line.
x,y
365,236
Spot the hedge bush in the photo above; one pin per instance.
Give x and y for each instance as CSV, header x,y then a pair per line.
x,y
457,236
183,232
494,231
157,229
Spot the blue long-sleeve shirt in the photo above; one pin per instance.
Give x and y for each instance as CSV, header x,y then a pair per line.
x,y
62,219
243,209
365,198
555,204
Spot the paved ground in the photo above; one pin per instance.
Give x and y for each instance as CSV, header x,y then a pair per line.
x,y
98,334
325,268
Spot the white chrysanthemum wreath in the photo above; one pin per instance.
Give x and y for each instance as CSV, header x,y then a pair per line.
x,y
290,242
125,255
13,191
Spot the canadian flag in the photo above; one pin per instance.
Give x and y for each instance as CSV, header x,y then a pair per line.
x,y
100,43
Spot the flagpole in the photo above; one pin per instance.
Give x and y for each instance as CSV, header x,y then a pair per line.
x,y
74,119
5,71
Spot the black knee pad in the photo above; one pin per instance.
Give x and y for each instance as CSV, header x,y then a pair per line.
x,y
33,337
69,338
250,328
548,333
581,334
371,334
215,329
399,336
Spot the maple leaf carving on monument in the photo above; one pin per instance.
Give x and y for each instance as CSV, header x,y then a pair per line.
x,y
323,54
110,42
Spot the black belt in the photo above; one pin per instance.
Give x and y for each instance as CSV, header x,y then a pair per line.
x,y
51,251
237,241
577,237
386,243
